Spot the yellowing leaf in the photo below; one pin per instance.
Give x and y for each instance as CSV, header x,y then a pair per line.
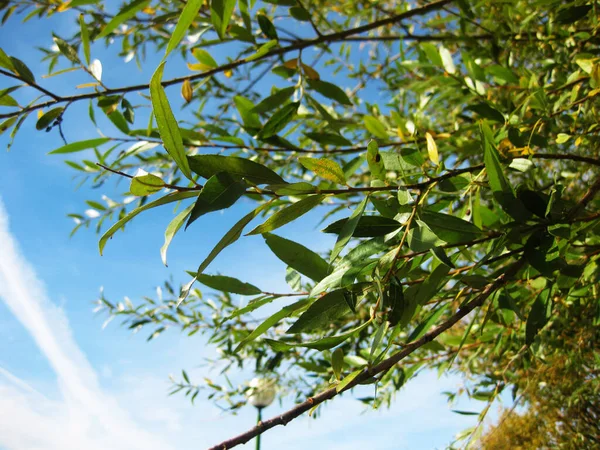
x,y
325,168
40,113
310,73
87,85
432,149
228,73
187,91
291,64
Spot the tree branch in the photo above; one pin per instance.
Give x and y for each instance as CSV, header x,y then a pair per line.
x,y
382,367
33,85
300,45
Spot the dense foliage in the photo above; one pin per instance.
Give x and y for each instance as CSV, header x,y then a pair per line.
x,y
451,148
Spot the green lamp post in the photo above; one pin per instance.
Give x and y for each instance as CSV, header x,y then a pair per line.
x,y
260,395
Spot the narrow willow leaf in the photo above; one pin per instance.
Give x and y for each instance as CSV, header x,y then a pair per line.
x,y
172,229
167,125
262,50
322,312
189,13
300,188
5,61
381,331
85,39
221,12
275,100
279,120
348,229
246,109
46,120
337,362
298,257
421,238
427,323
251,306
220,192
539,315
67,50
331,91
329,139
208,165
367,226
228,284
321,344
289,214
325,168
347,380
79,146
447,60
126,13
432,149
170,198
498,181
266,26
375,161
207,62
450,228
375,127
145,184
21,69
272,321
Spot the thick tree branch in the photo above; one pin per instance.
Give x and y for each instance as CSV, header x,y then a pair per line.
x,y
382,367
300,45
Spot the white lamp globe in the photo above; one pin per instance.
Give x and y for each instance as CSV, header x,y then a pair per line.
x,y
262,392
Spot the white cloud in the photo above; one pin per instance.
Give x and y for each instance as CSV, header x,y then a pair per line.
x,y
85,416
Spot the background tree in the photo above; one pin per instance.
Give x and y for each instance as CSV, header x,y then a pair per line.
x,y
450,148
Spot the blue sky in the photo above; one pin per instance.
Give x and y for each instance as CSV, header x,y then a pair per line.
x,y
67,383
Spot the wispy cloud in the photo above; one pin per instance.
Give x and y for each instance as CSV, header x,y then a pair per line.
x,y
85,416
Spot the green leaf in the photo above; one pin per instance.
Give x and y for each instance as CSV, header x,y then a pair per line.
x,y
572,14
85,39
337,362
450,228
322,312
221,12
274,100
167,125
21,69
300,188
375,161
298,257
321,344
325,168
145,184
172,229
427,323
375,127
367,226
228,284
266,26
6,99
347,380
251,306
208,165
170,198
204,58
421,238
279,120
330,91
229,238
189,13
246,109
498,181
262,50
220,192
79,146
328,139
6,62
348,229
539,315
288,214
432,54
300,14
67,50
487,111
49,117
272,321
126,13
381,330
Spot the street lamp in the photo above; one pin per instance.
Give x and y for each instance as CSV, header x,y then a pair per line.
x,y
260,395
